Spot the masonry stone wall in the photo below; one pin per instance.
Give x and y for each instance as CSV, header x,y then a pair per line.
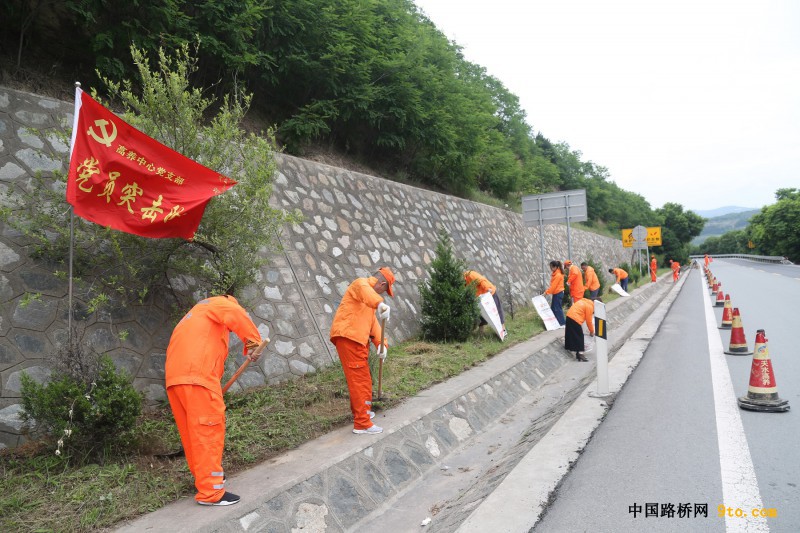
x,y
353,224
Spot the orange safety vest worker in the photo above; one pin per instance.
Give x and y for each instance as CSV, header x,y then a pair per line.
x,y
580,312
707,259
556,282
583,311
195,363
676,270
575,281
483,285
653,268
590,278
354,325
619,273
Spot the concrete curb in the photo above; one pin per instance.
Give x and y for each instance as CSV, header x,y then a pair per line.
x,y
335,481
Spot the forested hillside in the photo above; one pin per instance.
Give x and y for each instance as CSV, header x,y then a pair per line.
x,y
373,80
716,226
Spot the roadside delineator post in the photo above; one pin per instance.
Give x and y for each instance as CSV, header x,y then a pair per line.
x,y
762,393
601,350
727,314
737,344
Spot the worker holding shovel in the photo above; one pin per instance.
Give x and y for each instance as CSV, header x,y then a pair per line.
x,y
195,362
354,325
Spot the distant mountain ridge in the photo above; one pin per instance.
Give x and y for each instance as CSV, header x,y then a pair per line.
x,y
720,211
718,225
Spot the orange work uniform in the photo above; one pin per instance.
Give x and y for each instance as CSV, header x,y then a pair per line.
x,y
653,269
619,273
590,279
556,283
676,270
354,324
575,282
483,285
583,311
195,363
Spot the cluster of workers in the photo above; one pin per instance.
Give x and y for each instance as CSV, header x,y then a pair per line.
x,y
199,346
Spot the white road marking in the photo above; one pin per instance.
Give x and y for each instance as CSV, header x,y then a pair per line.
x,y
739,483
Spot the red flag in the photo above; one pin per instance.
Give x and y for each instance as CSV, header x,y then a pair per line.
x,y
120,177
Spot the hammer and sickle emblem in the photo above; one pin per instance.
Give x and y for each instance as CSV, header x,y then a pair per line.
x,y
106,138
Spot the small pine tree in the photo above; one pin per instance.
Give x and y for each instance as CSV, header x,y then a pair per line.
x,y
449,307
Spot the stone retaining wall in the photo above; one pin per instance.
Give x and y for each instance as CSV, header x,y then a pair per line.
x,y
354,223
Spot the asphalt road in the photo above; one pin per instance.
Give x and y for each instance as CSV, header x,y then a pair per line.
x,y
675,436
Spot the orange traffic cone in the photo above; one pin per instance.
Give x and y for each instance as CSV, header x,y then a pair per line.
x,y
714,287
720,299
727,314
738,344
762,394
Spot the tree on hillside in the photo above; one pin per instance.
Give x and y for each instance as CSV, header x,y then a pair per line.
x,y
449,308
678,228
731,242
775,229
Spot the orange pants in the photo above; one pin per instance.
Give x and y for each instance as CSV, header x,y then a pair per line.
x,y
675,275
200,417
653,276
354,358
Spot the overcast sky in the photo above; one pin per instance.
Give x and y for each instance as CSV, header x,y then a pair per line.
x,y
695,102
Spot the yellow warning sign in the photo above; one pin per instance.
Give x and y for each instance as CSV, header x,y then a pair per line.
x,y
627,238
654,236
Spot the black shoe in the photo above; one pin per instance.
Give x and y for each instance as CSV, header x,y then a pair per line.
x,y
228,498
581,358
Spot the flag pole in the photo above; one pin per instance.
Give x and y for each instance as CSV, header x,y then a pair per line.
x,y
71,245
69,298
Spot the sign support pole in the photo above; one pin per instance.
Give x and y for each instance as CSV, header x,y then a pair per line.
x,y
541,242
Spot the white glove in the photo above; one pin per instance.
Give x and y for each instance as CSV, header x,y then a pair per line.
x,y
382,352
383,311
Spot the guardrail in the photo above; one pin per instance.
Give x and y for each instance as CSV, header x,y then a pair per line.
x,y
759,258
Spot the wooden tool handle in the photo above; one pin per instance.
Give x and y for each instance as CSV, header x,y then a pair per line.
x,y
256,353
380,363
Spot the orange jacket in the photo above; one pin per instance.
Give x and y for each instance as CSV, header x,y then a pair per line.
x,y
199,344
620,274
355,319
675,266
575,282
654,265
590,279
583,311
483,284
556,282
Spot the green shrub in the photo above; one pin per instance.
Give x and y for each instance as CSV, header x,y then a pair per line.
x,y
449,308
633,272
89,416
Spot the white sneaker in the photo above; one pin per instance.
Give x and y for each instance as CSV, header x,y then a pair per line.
x,y
372,430
371,414
562,327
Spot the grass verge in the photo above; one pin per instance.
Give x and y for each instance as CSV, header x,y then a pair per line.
x,y
42,492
